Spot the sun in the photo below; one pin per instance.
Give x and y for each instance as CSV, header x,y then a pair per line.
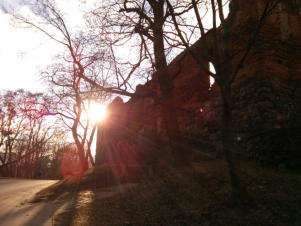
x,y
97,112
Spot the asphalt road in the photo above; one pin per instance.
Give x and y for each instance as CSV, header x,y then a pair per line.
x,y
14,208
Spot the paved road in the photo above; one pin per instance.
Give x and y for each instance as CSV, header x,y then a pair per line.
x,y
14,209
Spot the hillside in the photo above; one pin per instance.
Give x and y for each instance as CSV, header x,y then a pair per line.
x,y
194,195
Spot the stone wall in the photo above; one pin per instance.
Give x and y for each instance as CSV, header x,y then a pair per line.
x,y
267,90
267,93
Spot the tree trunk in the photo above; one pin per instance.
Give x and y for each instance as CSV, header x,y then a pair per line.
x,y
80,146
169,111
100,146
238,191
171,120
83,160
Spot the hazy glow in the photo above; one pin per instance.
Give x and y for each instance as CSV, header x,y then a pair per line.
x,y
97,112
25,52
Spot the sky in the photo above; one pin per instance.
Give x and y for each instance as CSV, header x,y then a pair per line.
x,y
24,52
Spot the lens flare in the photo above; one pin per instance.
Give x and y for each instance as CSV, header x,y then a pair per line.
x,y
97,112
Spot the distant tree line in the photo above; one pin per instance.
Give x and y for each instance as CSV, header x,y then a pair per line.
x,y
29,141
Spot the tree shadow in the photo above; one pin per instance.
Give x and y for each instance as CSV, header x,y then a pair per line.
x,y
66,217
45,213
33,213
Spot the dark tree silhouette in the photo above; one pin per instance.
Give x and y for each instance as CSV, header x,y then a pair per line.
x,y
216,48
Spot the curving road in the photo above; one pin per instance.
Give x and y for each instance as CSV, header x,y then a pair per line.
x,y
14,208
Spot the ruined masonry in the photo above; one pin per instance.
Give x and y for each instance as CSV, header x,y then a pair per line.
x,y
266,92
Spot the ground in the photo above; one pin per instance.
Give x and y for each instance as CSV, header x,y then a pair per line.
x,y
15,209
197,194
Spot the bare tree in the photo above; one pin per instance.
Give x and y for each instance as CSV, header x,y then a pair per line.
x,y
79,75
216,48
81,47
71,102
25,133
149,23
89,67
11,126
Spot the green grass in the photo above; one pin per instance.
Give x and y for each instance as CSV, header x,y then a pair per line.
x,y
193,195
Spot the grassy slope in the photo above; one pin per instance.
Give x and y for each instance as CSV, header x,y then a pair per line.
x,y
195,195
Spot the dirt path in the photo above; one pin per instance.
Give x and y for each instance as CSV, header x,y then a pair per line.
x,y
16,211
82,205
